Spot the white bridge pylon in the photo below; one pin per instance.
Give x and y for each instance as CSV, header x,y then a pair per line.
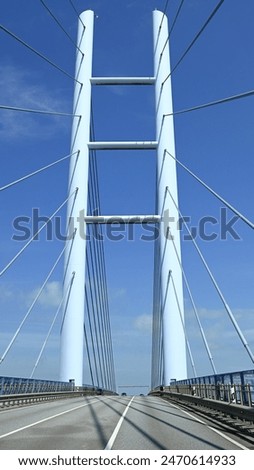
x,y
72,333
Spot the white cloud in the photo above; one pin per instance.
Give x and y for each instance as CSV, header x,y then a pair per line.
x,y
21,358
5,293
143,323
51,295
211,314
22,89
220,312
226,347
117,293
217,322
12,294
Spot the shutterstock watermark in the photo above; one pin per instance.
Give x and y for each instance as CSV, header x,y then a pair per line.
x,y
208,228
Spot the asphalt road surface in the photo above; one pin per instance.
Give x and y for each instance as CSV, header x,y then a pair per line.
x,y
118,423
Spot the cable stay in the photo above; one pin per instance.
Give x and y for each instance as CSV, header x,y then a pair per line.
x,y
51,326
159,30
183,325
97,299
164,14
172,27
99,313
36,172
176,17
157,349
163,50
245,94
170,277
107,316
164,202
195,309
102,312
162,314
88,355
70,236
94,326
163,161
100,286
158,310
32,306
92,337
194,40
168,235
61,26
96,280
166,295
14,36
171,238
162,366
95,290
37,233
227,308
37,111
77,13
227,204
100,305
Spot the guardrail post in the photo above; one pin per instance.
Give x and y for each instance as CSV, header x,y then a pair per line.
x,y
241,390
248,392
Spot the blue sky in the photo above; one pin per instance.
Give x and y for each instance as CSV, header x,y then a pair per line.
x,y
216,143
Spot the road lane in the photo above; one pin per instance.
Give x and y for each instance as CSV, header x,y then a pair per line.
x,y
14,418
112,439
117,423
83,423
152,423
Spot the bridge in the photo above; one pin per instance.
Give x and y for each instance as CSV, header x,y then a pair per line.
x,y
80,275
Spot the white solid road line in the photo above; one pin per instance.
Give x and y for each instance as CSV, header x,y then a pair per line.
x,y
47,419
212,429
228,438
118,426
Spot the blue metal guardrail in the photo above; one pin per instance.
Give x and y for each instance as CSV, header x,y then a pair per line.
x,y
14,385
245,377
239,379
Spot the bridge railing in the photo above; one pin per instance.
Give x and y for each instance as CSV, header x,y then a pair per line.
x,y
235,393
240,377
20,385
16,385
21,391
29,398
235,401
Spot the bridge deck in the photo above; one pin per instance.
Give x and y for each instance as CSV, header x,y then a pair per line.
x,y
146,423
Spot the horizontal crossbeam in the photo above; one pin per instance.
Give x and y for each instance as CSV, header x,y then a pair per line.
x,y
133,386
122,80
122,219
147,145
